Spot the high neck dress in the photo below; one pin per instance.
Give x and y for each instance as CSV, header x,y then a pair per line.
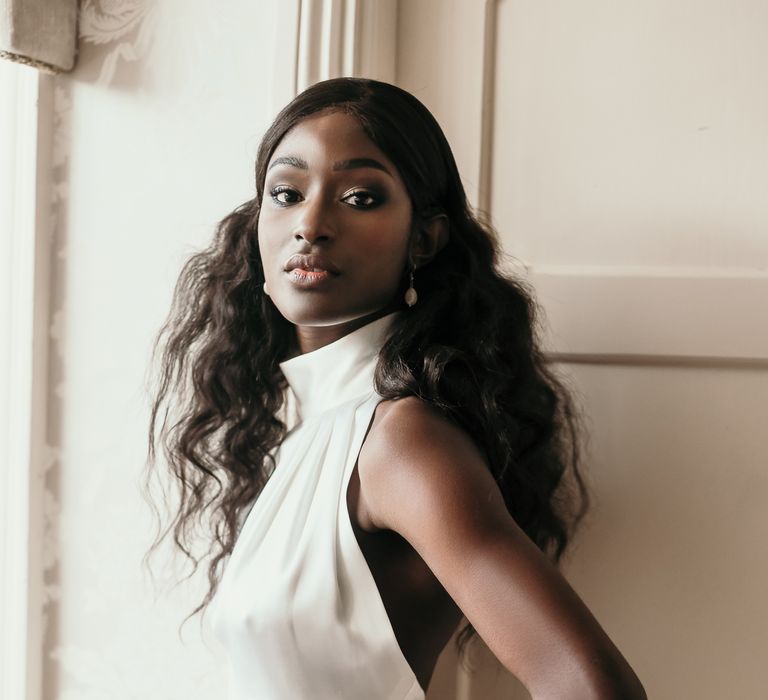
x,y
297,608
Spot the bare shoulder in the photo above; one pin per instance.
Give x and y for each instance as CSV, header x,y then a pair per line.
x,y
423,477
417,465
410,427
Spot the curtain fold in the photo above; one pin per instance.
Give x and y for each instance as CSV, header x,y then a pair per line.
x,y
39,33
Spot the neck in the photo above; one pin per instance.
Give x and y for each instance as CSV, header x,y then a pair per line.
x,y
311,338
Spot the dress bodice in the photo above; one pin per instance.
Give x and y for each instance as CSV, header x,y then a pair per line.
x,y
298,610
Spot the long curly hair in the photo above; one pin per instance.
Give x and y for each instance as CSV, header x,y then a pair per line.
x,y
469,348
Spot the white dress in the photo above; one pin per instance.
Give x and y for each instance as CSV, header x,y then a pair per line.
x,y
297,609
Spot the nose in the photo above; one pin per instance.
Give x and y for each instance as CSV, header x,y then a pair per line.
x,y
314,223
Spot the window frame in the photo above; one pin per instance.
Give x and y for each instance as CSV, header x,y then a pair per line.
x,y
27,97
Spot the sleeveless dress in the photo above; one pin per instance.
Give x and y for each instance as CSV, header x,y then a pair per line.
x,y
298,610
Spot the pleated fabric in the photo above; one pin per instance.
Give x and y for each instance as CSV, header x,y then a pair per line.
x,y
297,609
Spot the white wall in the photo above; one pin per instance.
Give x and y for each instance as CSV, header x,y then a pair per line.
x,y
673,560
633,133
628,171
155,136
623,138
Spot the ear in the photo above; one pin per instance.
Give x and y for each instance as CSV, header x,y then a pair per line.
x,y
428,239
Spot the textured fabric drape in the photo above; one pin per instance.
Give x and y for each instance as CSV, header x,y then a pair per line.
x,y
40,33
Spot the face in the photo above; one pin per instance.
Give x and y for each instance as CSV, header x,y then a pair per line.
x,y
335,226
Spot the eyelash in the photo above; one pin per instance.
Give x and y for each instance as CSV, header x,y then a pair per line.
x,y
280,190
375,199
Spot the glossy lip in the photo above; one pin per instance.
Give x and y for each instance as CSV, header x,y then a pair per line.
x,y
310,263
310,270
309,279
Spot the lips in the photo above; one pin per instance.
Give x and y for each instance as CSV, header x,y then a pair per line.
x,y
315,263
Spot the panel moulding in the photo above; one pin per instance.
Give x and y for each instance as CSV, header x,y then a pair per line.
x,y
610,313
332,38
21,632
662,314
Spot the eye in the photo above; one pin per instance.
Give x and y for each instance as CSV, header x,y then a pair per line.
x,y
283,195
361,199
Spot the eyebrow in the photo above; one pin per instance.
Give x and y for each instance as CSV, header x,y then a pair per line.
x,y
350,164
290,160
359,163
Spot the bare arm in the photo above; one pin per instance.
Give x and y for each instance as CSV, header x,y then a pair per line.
x,y
423,477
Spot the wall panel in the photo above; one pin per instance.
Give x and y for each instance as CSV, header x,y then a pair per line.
x,y
626,176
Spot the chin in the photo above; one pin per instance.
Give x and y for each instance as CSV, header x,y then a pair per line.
x,y
318,315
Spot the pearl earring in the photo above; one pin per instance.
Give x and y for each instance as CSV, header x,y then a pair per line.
x,y
411,297
266,291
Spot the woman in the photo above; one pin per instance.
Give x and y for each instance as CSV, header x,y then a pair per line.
x,y
368,424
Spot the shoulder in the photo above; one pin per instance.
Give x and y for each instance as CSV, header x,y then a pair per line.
x,y
409,427
419,470
423,477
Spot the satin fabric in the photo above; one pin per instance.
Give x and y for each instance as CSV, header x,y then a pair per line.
x,y
297,609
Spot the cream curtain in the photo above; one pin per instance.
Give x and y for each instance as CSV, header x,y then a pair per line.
x,y
40,33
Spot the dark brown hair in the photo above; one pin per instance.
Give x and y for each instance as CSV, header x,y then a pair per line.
x,y
468,348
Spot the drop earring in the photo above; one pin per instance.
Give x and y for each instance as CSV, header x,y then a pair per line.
x,y
411,297
266,291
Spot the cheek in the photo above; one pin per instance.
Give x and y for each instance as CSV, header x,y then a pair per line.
x,y
387,240
267,243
